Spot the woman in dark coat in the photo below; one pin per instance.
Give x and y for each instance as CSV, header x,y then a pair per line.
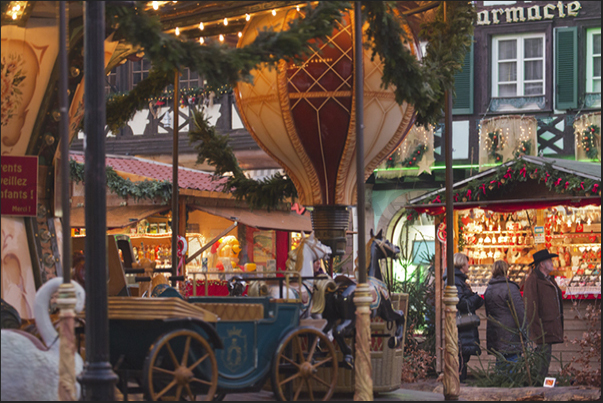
x,y
505,312
469,302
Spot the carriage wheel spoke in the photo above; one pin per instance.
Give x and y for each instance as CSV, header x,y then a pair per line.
x,y
319,363
298,391
190,392
165,371
166,389
187,347
313,349
320,380
300,350
172,355
309,385
292,377
201,381
290,361
178,392
199,361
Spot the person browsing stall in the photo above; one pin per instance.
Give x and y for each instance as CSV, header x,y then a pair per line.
x,y
544,307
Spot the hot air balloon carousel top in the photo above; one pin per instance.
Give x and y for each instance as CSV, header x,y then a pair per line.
x,y
302,114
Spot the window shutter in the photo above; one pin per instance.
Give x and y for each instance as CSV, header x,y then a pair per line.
x,y
462,103
566,68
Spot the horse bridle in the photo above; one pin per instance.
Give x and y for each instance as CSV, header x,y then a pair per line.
x,y
383,245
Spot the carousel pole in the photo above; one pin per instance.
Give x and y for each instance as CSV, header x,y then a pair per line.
x,y
362,299
98,379
451,381
66,299
175,188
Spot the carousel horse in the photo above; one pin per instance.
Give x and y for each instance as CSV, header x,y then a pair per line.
x,y
301,260
340,304
30,369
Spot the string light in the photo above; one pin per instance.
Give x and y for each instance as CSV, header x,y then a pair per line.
x,y
201,26
177,31
221,38
273,12
240,34
201,41
247,17
225,21
155,5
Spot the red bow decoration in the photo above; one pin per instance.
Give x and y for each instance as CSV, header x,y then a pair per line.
x,y
508,174
582,185
456,197
547,177
437,199
595,187
567,184
494,181
483,188
523,171
469,194
558,182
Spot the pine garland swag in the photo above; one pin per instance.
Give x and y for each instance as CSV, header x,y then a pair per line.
x,y
415,157
589,141
147,189
495,145
215,149
524,148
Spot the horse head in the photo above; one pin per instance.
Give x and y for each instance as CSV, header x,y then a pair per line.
x,y
379,248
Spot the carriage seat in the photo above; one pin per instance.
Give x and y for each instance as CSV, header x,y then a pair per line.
x,y
234,312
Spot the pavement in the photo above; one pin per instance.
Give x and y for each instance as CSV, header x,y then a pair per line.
x,y
397,395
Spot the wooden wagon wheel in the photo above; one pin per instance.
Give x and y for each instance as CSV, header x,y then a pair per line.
x,y
180,364
305,362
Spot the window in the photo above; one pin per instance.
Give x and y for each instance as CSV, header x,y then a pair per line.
x,y
189,79
593,60
140,71
111,82
518,66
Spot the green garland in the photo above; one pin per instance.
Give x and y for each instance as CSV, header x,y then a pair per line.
x,y
589,141
215,149
524,148
556,181
147,189
415,157
461,236
422,84
495,144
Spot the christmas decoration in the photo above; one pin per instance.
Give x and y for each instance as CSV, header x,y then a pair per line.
x,y
589,141
524,148
147,189
496,144
415,157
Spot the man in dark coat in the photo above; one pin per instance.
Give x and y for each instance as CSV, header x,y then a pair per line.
x,y
544,307
505,312
469,302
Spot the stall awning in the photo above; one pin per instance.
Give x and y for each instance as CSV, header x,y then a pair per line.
x,y
118,217
527,182
262,219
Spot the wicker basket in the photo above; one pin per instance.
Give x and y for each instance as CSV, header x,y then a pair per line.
x,y
387,363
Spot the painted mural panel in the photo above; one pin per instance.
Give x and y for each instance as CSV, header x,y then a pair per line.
x,y
28,56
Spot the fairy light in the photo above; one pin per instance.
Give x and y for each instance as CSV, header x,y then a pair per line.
x,y
201,26
273,12
201,41
240,34
247,17
155,5
225,21
177,31
297,8
221,38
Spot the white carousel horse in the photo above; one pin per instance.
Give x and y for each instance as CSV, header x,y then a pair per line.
x,y
30,370
300,260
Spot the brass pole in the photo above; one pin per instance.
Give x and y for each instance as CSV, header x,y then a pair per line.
x,y
362,298
451,381
175,187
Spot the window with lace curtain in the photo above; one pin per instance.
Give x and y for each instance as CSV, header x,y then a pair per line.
x,y
518,65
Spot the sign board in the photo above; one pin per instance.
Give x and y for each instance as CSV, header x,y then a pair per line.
x,y
539,235
19,186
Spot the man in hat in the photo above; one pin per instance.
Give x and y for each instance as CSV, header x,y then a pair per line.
x,y
544,308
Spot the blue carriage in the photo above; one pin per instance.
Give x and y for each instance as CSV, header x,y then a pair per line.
x,y
210,346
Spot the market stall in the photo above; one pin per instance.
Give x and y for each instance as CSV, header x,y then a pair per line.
x,y
510,212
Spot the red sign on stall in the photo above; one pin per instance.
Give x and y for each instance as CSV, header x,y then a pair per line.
x,y
19,186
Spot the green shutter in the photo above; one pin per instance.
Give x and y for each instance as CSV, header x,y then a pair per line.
x,y
462,103
566,68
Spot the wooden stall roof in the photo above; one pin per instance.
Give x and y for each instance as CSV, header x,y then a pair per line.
x,y
118,217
